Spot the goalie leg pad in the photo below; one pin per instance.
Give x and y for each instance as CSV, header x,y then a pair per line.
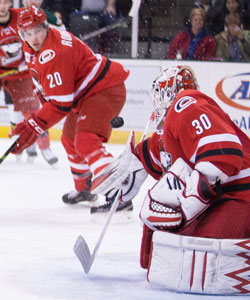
x,y
200,265
125,173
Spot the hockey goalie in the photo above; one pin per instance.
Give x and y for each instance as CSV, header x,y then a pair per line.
x,y
196,235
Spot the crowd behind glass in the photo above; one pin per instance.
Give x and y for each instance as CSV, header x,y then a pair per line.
x,y
212,30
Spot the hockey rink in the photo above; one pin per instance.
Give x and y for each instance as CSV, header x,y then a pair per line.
x,y
38,231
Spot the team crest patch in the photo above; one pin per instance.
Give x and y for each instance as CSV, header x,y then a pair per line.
x,y
46,56
166,160
183,103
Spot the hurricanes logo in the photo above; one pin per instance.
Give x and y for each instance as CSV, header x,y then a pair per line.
x,y
183,103
46,56
235,91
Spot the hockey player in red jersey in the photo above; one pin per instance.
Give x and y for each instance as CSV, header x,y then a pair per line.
x,y
201,161
86,88
19,86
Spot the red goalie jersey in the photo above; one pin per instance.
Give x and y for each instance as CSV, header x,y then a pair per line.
x,y
197,130
11,54
65,83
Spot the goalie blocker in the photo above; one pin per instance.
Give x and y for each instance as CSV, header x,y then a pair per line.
x,y
200,265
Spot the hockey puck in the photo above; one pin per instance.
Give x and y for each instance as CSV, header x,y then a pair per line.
x,y
117,122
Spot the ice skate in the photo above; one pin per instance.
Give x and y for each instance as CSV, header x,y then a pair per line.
x,y
18,157
123,214
31,153
76,197
49,156
123,206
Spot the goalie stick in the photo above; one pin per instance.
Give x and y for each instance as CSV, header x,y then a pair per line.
x,y
81,248
147,128
12,146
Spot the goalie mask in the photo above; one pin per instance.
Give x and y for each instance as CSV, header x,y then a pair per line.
x,y
166,87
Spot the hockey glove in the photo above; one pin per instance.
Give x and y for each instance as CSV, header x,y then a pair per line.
x,y
161,207
126,173
196,197
28,132
177,199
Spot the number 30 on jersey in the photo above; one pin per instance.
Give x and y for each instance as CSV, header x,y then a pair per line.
x,y
201,124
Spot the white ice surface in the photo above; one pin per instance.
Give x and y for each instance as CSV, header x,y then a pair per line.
x,y
38,231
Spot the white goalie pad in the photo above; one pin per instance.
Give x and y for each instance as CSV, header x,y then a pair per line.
x,y
200,265
126,173
105,180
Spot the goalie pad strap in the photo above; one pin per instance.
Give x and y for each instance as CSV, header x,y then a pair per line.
x,y
200,265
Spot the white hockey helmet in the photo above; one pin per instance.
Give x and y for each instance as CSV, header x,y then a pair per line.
x,y
166,87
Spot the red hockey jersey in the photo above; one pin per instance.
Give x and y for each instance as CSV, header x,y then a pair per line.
x,y
198,130
66,71
11,53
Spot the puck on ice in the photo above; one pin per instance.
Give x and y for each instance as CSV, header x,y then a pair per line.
x,y
117,122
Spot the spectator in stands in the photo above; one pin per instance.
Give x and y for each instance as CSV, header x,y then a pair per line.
x,y
105,11
52,19
246,17
232,7
194,43
213,8
67,7
58,11
233,44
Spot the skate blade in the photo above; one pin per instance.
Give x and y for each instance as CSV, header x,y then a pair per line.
x,y
18,158
30,159
54,166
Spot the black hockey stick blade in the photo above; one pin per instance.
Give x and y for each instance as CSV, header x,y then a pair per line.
x,y
12,146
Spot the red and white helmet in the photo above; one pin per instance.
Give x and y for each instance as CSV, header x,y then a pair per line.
x,y
166,87
30,17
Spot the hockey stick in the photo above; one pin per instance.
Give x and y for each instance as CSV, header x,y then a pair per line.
x,y
120,23
12,146
12,71
147,128
81,248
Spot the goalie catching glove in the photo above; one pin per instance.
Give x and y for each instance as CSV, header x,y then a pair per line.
x,y
126,173
178,198
28,132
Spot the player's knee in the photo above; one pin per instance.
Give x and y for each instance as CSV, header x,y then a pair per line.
x,y
87,142
67,143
